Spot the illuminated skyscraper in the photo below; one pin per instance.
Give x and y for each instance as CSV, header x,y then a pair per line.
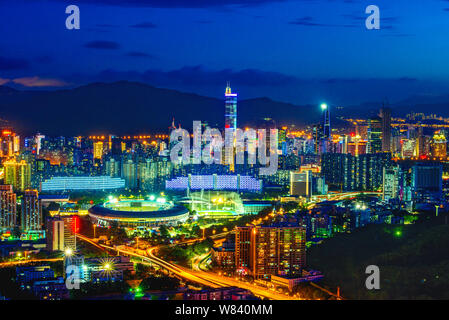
x,y
129,173
230,108
8,207
9,143
61,233
270,250
326,121
98,150
31,211
385,114
374,135
18,174
439,145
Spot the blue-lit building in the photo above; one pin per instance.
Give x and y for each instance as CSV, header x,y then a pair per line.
x,y
82,183
215,182
230,108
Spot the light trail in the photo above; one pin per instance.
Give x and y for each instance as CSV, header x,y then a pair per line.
x,y
13,263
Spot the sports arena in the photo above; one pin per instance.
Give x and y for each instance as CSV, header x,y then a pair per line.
x,y
138,213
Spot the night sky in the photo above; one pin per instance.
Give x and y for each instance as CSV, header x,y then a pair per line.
x,y
300,51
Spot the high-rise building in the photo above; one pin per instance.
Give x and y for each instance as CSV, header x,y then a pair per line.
x,y
347,172
31,211
301,183
18,174
9,143
112,168
374,135
390,185
427,180
61,233
385,114
129,173
230,108
326,121
439,145
270,250
317,137
8,207
55,235
408,148
98,150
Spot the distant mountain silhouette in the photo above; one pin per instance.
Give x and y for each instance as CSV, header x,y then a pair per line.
x,y
125,107
129,107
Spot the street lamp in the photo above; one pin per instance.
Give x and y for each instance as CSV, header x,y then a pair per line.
x,y
68,252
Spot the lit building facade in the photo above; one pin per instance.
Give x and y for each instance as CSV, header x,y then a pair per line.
x,y
82,183
270,250
8,207
31,211
230,109
374,135
18,174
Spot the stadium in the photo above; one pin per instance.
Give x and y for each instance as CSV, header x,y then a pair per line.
x,y
138,213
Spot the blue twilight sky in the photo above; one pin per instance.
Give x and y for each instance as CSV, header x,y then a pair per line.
x,y
300,51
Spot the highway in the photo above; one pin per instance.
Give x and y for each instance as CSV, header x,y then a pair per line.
x,y
202,277
15,263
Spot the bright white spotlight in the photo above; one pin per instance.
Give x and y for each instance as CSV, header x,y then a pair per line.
x,y
323,106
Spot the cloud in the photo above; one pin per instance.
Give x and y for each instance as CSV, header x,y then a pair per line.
x,y
138,54
144,25
44,59
37,82
4,81
7,64
310,22
180,3
194,76
102,45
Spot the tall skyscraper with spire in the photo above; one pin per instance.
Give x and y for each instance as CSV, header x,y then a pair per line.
x,y
230,108
385,114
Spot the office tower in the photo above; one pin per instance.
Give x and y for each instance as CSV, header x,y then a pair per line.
x,y
38,141
326,121
31,211
98,150
374,135
390,185
242,249
18,174
230,108
439,145
9,143
55,235
420,143
427,180
385,114
270,250
129,173
317,137
408,148
61,233
112,168
8,207
347,172
301,184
